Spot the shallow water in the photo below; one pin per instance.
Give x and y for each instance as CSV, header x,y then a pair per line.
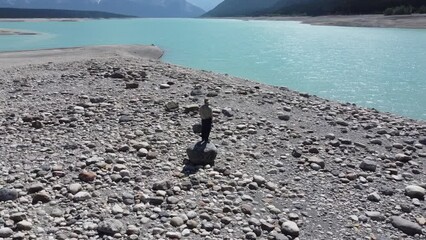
x,y
372,67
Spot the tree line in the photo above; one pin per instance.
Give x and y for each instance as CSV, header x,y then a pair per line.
x,y
347,7
231,8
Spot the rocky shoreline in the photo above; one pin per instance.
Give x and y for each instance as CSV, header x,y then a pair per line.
x,y
95,148
414,21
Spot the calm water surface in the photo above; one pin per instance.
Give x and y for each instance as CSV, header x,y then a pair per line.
x,y
372,67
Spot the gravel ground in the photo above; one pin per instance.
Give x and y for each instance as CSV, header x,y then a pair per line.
x,y
96,149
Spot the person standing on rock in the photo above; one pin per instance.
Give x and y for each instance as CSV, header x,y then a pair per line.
x,y
206,114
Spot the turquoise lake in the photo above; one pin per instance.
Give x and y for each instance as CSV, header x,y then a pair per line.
x,y
372,67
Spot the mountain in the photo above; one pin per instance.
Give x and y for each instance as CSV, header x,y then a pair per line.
x,y
232,8
140,8
229,8
54,13
206,5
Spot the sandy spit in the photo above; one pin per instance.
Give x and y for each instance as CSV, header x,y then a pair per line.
x,y
77,54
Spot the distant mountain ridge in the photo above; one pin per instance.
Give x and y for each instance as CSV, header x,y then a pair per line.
x,y
139,8
235,8
205,4
54,13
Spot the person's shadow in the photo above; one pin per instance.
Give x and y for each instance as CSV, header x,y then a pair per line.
x,y
190,169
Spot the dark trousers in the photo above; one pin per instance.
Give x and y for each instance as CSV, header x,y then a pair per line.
x,y
206,127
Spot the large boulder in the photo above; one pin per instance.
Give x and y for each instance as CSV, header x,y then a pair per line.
x,y
110,227
414,191
290,228
400,157
8,195
191,108
317,160
5,232
172,106
406,226
202,153
228,112
197,91
368,165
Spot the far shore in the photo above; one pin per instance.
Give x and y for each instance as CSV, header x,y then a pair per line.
x,y
415,21
44,19
53,19
4,32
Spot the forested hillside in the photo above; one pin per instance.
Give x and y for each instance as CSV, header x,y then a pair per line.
x,y
140,8
309,7
343,7
241,8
